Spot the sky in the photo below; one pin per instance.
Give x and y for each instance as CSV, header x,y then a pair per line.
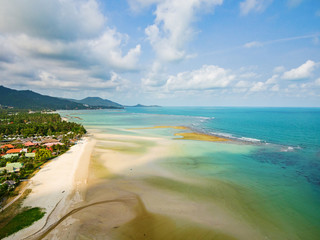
x,y
165,52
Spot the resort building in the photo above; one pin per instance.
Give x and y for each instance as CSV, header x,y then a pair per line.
x,y
10,155
10,183
30,144
12,167
50,140
17,150
9,146
30,155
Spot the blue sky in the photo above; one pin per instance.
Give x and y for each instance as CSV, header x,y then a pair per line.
x,y
166,52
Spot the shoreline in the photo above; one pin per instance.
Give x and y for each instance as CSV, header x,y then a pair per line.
x,y
127,186
57,187
124,197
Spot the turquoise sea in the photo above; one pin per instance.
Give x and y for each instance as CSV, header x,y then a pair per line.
x,y
273,165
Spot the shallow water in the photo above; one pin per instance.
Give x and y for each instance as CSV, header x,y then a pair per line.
x,y
269,178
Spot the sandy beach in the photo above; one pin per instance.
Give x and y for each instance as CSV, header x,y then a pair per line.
x,y
125,199
56,187
116,186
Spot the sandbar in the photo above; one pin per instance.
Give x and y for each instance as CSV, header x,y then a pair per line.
x,y
127,197
200,137
128,193
189,135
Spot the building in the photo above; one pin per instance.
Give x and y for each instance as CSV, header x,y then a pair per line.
x,y
12,167
30,155
10,183
10,155
17,150
29,144
9,146
52,144
50,140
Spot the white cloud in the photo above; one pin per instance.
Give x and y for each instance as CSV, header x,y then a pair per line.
x,y
258,87
253,44
45,80
301,72
317,82
242,84
169,33
106,49
293,86
249,75
273,79
172,26
156,76
51,18
205,78
279,69
248,6
61,44
275,88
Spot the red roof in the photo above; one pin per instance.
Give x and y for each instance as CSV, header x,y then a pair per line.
x,y
14,150
7,145
28,144
50,149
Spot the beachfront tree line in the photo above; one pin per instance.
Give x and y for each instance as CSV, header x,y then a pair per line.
x,y
23,124
27,124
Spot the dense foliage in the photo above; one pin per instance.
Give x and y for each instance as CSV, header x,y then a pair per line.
x,y
38,126
99,102
43,154
31,100
35,124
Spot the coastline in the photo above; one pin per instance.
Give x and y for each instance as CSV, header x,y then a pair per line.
x,y
135,186
125,198
57,187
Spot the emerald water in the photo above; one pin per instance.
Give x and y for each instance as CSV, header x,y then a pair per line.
x,y
269,176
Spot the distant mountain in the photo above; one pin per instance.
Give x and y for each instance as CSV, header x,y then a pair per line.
x,y
98,102
31,100
140,105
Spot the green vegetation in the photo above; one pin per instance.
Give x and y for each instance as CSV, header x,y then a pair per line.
x,y
31,100
47,137
14,209
20,122
98,102
43,154
22,220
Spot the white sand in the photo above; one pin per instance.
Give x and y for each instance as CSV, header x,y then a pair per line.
x,y
55,188
131,168
119,168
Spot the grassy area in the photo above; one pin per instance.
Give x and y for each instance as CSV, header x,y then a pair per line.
x,y
22,220
7,214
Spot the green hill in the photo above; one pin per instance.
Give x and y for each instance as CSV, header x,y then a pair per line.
x,y
27,99
98,102
140,105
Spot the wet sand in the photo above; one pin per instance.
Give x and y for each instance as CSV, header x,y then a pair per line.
x,y
130,196
133,188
